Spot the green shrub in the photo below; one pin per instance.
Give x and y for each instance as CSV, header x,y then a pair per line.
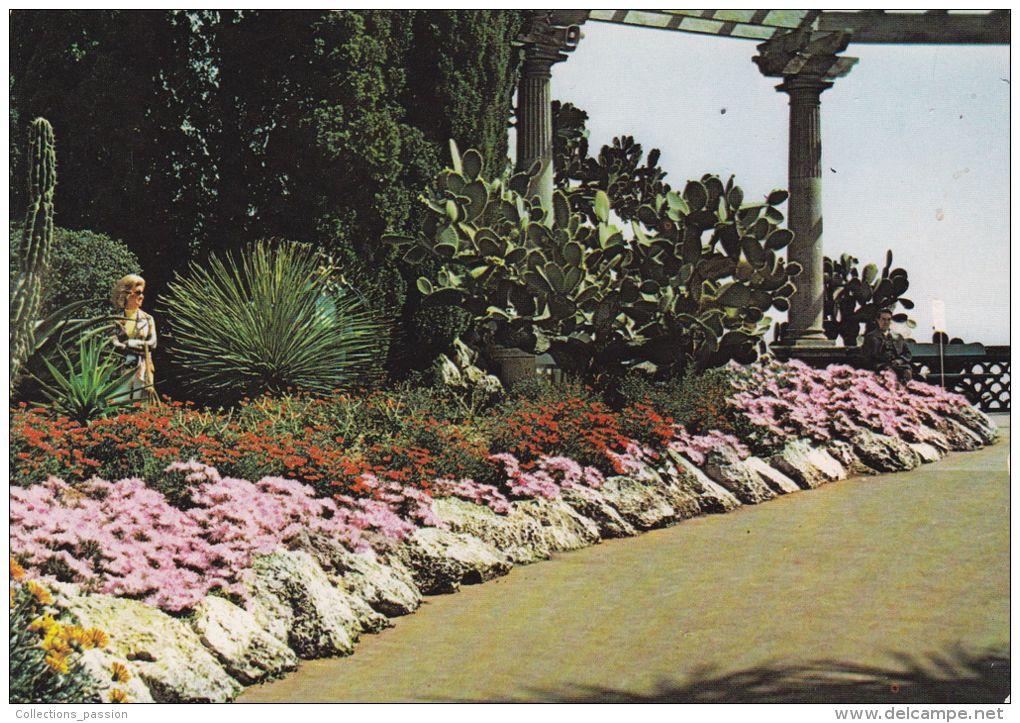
x,y
83,267
266,322
697,401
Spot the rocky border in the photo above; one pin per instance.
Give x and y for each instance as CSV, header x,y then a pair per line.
x,y
317,599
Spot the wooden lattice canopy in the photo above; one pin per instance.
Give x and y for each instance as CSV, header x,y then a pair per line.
x,y
865,26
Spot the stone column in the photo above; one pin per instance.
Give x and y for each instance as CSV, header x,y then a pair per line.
x,y
546,40
534,123
808,64
805,209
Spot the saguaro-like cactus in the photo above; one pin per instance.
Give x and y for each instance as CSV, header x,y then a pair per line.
x,y
36,241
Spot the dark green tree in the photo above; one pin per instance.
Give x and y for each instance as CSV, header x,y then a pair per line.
x,y
188,132
118,86
462,73
461,79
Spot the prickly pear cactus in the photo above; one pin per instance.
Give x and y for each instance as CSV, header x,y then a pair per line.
x,y
36,242
853,297
688,289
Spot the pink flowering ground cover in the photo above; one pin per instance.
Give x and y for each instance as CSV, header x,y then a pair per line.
x,y
780,402
125,538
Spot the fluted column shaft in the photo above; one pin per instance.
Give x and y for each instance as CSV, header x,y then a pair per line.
x,y
534,122
805,327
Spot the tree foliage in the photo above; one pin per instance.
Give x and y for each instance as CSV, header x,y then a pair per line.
x,y
188,132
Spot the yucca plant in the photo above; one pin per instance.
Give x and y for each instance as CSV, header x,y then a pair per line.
x,y
267,321
91,385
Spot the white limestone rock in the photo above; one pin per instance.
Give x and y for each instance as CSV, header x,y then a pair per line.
x,y
776,480
961,438
293,599
386,585
725,467
711,496
441,561
936,439
883,453
516,535
667,481
248,652
562,526
164,653
98,662
639,503
590,503
808,466
99,665
370,620
843,452
926,452
978,422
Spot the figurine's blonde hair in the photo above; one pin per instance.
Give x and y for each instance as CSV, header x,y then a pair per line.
x,y
122,288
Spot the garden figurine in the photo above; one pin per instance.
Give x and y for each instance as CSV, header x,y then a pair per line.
x,y
134,336
883,350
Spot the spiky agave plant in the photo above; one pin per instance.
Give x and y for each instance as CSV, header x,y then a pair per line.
x,y
91,384
266,321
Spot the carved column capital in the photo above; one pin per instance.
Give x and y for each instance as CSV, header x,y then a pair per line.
x,y
803,53
547,37
804,88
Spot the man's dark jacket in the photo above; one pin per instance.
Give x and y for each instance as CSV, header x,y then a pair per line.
x,y
881,351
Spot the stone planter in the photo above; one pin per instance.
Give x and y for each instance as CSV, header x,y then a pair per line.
x,y
513,365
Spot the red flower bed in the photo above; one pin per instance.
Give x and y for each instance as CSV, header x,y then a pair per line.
x,y
570,422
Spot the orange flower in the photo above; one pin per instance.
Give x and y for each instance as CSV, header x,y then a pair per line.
x,y
41,594
120,672
118,696
55,642
44,624
99,638
57,662
77,636
17,571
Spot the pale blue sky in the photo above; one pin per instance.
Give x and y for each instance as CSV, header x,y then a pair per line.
x,y
917,138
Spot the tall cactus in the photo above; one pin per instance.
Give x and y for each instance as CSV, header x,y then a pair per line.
x,y
36,242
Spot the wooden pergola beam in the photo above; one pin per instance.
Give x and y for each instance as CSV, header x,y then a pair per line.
x,y
938,27
919,28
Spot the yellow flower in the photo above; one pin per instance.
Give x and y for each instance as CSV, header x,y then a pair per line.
x,y
99,638
56,642
12,598
77,636
120,673
57,662
41,594
44,624
118,696
17,571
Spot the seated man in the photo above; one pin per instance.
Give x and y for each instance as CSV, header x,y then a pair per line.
x,y
883,350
